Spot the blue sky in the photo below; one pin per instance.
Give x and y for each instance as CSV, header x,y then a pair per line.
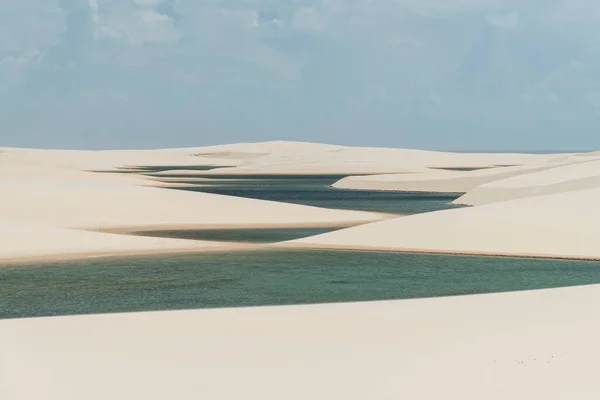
x,y
438,74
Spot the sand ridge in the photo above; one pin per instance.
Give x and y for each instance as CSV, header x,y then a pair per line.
x,y
556,226
443,181
577,176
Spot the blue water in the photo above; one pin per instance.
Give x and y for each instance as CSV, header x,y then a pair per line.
x,y
311,190
267,278
314,190
236,279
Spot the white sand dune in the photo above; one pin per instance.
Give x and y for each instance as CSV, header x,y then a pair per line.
x,y
286,157
109,160
43,172
437,181
272,158
21,241
519,346
562,225
54,188
26,171
115,207
582,175
527,345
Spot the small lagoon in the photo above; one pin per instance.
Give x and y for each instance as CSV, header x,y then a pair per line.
x,y
267,277
316,190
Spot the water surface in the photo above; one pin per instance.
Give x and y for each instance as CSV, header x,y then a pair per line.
x,y
267,278
253,235
316,190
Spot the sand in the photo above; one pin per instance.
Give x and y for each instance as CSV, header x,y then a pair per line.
x,y
309,158
582,175
22,242
115,207
562,225
526,345
109,160
55,188
442,181
273,157
518,346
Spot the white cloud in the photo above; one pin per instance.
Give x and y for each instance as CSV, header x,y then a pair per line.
x,y
137,23
29,25
304,65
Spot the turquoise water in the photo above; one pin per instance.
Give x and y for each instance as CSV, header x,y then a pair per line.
x,y
267,278
316,191
254,235
312,190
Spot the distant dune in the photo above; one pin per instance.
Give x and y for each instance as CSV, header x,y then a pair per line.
x,y
291,157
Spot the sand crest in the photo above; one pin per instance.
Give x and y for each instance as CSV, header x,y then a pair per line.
x,y
441,181
561,225
582,175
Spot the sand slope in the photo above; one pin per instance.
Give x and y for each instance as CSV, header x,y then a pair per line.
x,y
437,181
582,175
26,171
518,346
560,225
97,206
109,160
25,241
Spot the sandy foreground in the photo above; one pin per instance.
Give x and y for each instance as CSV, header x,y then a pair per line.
x,y
522,345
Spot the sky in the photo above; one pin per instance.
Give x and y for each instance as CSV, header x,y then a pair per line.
x,y
434,74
